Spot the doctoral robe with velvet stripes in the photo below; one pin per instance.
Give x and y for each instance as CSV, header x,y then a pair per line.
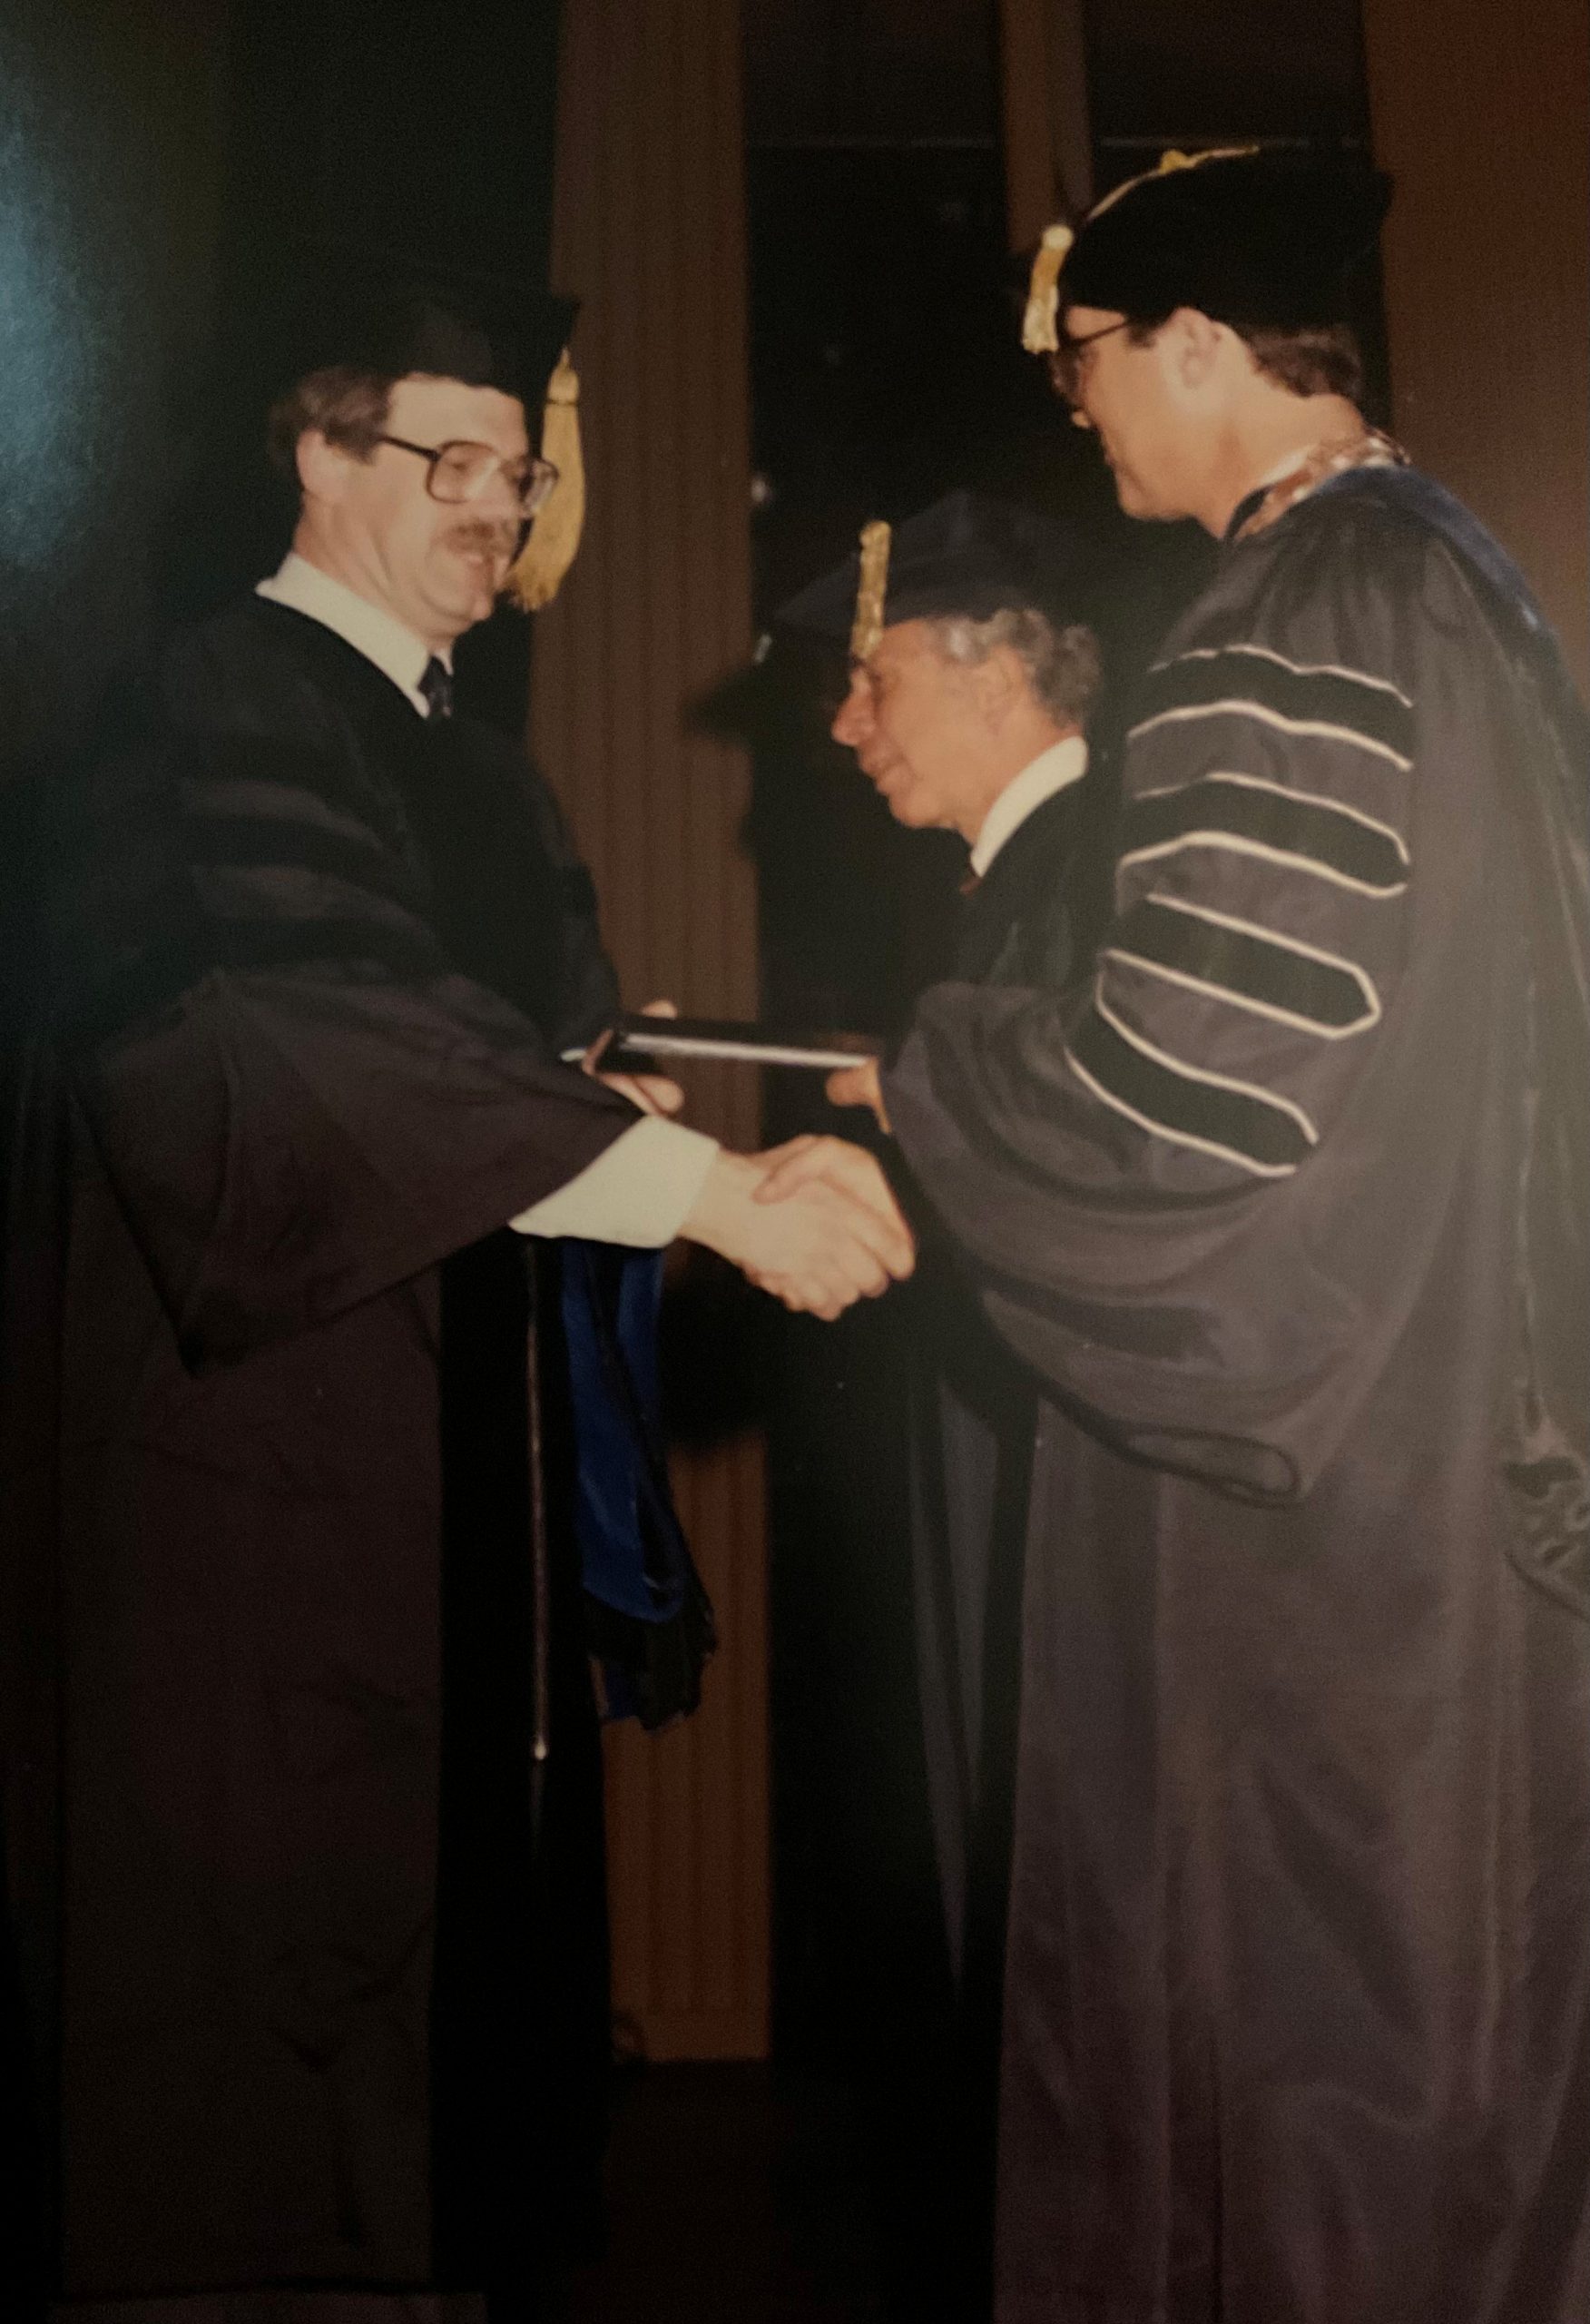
x,y
1287,1208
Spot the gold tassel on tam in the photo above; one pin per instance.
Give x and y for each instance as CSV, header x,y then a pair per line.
x,y
1039,332
871,591
1172,158
534,578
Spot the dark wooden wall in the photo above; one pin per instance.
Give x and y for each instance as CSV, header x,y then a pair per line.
x,y
1484,121
649,232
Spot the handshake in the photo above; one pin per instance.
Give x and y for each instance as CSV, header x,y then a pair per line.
x,y
814,1223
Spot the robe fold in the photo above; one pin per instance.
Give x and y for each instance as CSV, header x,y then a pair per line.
x,y
1030,922
312,1964
1285,1208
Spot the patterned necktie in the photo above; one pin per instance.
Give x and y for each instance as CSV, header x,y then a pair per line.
x,y
435,682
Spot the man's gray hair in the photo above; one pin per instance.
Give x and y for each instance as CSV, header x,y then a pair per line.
x,y
1062,665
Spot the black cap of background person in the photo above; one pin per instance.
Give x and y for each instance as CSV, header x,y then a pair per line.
x,y
965,555
382,312
1266,239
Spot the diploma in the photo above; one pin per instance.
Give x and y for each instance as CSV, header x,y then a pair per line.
x,y
646,1044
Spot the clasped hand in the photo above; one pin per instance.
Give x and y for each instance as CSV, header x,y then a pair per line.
x,y
813,1223
844,1184
653,1093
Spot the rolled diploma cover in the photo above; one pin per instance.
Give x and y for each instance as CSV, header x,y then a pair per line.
x,y
640,1043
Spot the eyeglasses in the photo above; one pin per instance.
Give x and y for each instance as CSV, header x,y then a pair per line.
x,y
1067,368
461,472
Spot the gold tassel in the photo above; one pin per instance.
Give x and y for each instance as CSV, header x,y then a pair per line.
x,y
554,533
1039,325
871,591
1172,158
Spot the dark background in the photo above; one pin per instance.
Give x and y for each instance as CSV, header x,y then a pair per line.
x,y
162,171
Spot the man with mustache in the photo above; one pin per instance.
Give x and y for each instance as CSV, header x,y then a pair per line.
x,y
301,1779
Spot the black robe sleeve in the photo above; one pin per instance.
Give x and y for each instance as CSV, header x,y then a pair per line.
x,y
284,1145
1200,1197
298,1096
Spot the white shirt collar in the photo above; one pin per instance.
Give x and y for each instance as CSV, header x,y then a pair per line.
x,y
379,636
1062,765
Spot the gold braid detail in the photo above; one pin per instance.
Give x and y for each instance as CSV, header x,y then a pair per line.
x,y
871,591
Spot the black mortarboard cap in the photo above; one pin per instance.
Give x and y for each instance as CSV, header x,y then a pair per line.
x,y
965,555
1269,240
381,311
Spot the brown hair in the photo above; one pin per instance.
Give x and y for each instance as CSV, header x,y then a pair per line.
x,y
347,407
1320,360
1325,359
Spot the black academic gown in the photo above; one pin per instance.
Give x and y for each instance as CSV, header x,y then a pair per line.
x,y
1287,1208
1030,922
302,1783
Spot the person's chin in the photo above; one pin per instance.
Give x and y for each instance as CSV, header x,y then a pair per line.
x,y
476,582
468,599
1135,499
1129,493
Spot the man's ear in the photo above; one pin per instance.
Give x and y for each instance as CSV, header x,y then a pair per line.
x,y
1197,346
324,469
998,684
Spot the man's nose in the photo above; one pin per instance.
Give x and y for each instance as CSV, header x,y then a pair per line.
x,y
497,498
853,716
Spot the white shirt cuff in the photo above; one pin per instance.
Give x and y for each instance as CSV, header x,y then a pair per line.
x,y
640,1190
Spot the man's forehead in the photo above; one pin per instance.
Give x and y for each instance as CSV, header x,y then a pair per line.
x,y
903,641
457,409
1078,320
